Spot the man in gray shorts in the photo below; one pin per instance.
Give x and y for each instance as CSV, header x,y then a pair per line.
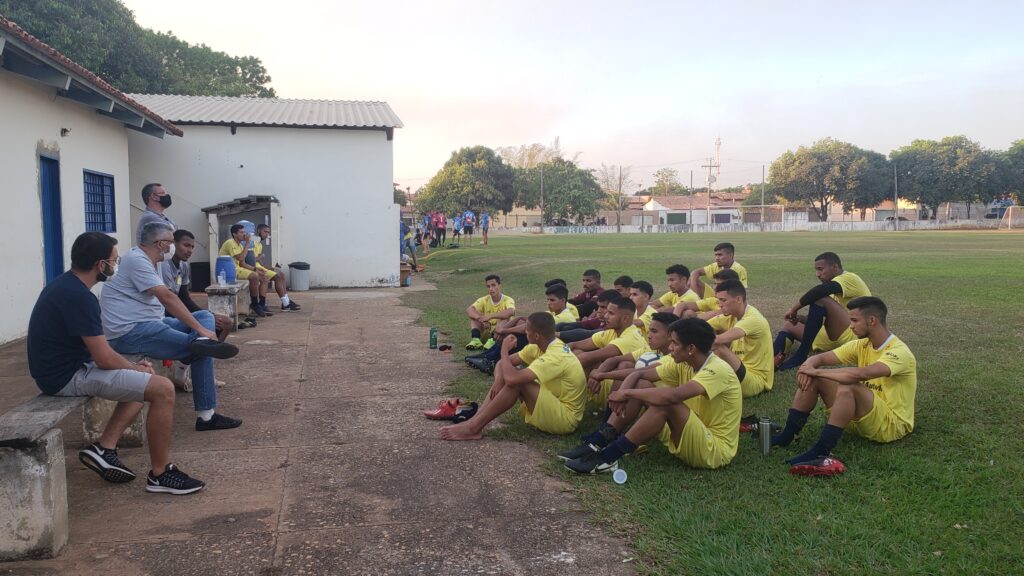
x,y
69,356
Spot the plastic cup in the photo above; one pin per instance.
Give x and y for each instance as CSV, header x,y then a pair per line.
x,y
619,476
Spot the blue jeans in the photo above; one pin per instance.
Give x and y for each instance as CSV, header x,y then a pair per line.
x,y
169,340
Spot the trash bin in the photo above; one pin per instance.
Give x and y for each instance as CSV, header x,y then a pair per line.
x,y
298,276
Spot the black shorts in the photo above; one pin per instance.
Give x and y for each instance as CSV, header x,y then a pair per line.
x,y
468,230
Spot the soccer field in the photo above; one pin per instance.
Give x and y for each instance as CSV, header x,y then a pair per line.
x,y
948,499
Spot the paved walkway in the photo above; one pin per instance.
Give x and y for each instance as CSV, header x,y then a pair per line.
x,y
334,470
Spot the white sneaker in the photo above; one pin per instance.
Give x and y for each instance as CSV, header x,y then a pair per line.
x,y
181,376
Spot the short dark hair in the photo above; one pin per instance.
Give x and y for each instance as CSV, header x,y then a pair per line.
x,y
182,233
147,191
666,318
624,281
830,258
558,291
590,272
726,274
494,277
869,306
727,246
607,296
732,287
624,303
644,286
678,270
89,248
554,281
236,228
694,331
543,323
261,227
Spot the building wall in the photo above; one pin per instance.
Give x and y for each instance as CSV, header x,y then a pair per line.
x,y
31,119
335,188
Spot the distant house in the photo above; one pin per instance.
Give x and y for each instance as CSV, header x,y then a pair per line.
x,y
697,208
328,164
64,160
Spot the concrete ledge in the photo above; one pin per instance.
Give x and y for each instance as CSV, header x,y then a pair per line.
x,y
224,299
95,415
33,489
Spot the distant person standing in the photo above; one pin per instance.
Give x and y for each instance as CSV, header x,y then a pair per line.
x,y
485,225
442,228
468,221
156,200
456,228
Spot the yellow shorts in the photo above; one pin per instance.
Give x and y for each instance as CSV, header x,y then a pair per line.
x,y
270,273
600,399
822,343
880,424
753,384
243,273
697,446
550,415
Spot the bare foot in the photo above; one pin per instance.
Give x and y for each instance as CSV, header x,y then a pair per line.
x,y
461,431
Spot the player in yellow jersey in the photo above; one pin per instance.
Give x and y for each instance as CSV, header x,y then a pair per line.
x,y
640,293
873,399
678,289
619,338
707,306
825,309
744,339
238,247
272,274
725,259
697,419
487,310
551,386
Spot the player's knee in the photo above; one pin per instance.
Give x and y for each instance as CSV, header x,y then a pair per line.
x,y
160,390
845,394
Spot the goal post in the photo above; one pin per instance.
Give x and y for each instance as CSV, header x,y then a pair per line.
x,y
762,214
1012,219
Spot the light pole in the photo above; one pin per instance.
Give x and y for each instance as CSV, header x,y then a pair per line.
x,y
895,199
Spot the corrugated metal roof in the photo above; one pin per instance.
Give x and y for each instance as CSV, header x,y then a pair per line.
x,y
249,111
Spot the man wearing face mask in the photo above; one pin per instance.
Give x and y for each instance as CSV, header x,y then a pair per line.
x,y
133,304
156,200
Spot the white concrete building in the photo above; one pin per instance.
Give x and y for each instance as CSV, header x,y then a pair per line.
x,y
64,164
329,164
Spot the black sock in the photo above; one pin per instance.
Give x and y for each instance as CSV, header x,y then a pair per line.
x,y
601,437
475,333
815,320
617,449
794,424
263,300
830,436
254,301
780,342
607,414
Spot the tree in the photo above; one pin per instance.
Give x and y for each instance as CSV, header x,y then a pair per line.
x,y
472,178
528,156
869,182
1011,165
666,183
953,169
401,198
615,184
570,192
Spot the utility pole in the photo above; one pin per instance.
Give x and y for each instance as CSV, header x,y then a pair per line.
x,y
762,196
895,200
711,165
690,221
541,198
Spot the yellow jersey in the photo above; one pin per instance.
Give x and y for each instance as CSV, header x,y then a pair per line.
x,y
712,268
671,298
754,348
230,248
646,317
671,374
899,388
558,371
721,405
565,315
853,287
575,311
707,304
485,305
631,339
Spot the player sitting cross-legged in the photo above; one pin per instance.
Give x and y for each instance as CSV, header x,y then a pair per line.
x,y
873,399
610,374
695,412
678,289
725,259
744,339
707,307
619,338
640,293
486,311
550,386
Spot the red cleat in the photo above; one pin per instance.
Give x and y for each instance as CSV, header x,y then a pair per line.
x,y
748,424
446,410
828,466
779,359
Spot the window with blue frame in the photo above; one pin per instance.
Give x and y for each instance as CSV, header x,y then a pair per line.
x,y
99,203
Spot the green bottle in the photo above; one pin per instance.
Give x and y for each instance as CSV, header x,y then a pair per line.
x,y
433,337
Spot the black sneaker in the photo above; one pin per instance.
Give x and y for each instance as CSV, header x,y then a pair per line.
x,y
257,311
291,307
173,481
482,364
213,348
217,422
266,311
577,452
591,464
105,463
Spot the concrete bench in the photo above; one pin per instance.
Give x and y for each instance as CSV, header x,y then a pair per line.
x,y
224,299
33,478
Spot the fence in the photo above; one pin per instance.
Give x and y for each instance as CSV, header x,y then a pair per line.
x,y
790,226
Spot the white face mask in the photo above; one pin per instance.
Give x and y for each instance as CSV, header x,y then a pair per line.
x,y
169,254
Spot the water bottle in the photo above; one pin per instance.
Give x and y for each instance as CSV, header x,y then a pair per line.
x,y
222,279
764,429
433,337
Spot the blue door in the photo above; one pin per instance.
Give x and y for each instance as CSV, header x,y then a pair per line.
x,y
53,231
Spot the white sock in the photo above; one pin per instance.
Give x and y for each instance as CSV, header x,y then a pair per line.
x,y
285,300
205,415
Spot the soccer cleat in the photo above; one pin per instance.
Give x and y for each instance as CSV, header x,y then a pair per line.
x,y
291,307
465,412
489,343
826,466
748,424
445,409
105,463
779,359
577,452
173,481
217,422
482,364
591,464
475,344
213,348
477,355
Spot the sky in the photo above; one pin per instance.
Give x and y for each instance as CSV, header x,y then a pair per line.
x,y
642,84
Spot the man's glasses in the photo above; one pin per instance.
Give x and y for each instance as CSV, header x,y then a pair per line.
x,y
115,261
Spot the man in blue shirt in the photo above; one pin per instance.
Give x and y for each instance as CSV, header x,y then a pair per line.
x,y
468,222
69,356
456,228
485,225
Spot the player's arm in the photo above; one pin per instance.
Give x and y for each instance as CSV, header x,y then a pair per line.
x,y
695,284
504,314
175,308
474,314
662,396
684,306
623,373
851,375
609,365
730,335
709,314
600,354
585,345
107,359
823,290
517,326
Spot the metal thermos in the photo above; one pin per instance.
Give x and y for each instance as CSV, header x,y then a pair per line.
x,y
764,428
433,337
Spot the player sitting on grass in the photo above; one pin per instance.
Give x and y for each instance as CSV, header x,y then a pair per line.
x,y
550,386
587,327
640,293
586,300
694,411
874,400
622,285
725,259
678,289
825,307
620,337
744,339
707,307
486,311
610,374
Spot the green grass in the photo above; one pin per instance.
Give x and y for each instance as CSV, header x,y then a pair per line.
x,y
948,499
